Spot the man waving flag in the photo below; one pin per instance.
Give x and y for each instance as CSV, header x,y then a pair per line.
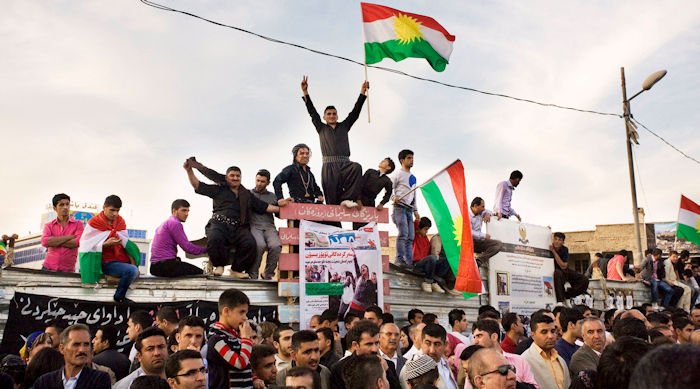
x,y
399,35
446,195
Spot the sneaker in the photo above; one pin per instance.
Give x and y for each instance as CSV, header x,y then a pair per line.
x,y
426,287
123,300
404,266
454,292
239,275
437,288
218,271
348,204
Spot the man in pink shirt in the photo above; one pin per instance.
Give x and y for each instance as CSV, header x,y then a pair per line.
x,y
170,234
61,237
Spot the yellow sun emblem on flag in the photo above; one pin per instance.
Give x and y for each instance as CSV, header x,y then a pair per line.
x,y
407,29
458,229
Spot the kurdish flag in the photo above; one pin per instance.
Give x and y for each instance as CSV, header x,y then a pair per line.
x,y
399,35
446,195
689,221
97,231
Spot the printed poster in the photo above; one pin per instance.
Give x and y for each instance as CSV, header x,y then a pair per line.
x,y
339,270
521,276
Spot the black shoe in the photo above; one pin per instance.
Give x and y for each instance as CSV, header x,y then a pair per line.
x,y
123,300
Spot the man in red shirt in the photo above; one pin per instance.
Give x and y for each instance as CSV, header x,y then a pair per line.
x,y
427,257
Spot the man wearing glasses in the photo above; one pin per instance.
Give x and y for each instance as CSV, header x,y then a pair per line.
x,y
185,370
488,369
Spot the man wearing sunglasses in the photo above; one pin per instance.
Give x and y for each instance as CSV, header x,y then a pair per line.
x,y
488,369
185,370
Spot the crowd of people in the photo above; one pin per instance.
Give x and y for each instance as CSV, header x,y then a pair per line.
x,y
575,347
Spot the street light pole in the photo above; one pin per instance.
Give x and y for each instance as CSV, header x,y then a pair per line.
x,y
630,163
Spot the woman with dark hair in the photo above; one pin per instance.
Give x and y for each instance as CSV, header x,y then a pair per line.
x,y
46,360
348,293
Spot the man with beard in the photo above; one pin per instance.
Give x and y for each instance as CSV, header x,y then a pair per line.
x,y
300,181
77,354
549,368
306,352
229,225
262,360
151,351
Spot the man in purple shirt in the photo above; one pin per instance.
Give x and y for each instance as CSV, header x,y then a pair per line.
x,y
170,234
504,194
61,237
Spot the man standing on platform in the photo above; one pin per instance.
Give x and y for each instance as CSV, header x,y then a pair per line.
x,y
229,225
170,234
562,273
61,237
504,194
405,209
340,176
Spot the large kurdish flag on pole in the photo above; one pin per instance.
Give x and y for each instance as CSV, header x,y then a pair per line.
x,y
689,221
446,195
398,35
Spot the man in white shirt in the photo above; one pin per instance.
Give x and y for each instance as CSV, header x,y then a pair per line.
x,y
458,321
151,351
483,244
433,344
415,332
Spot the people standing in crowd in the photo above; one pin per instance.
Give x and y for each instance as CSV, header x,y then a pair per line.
x,y
570,320
186,369
340,177
459,323
504,195
104,346
190,333
550,370
282,340
76,373
515,332
325,341
138,321
490,369
587,357
389,345
306,353
262,361
404,200
151,351
61,237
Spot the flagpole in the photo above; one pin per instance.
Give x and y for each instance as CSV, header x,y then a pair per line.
x,y
369,120
427,181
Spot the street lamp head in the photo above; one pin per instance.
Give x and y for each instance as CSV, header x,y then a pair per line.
x,y
653,79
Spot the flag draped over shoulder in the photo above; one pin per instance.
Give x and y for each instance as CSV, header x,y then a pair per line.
x,y
96,232
399,35
446,195
689,221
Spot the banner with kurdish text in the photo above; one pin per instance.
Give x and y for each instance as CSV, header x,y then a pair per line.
x,y
339,270
521,276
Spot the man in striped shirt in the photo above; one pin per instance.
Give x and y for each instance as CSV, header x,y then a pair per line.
x,y
230,343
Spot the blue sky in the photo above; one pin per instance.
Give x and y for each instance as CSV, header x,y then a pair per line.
x,y
102,98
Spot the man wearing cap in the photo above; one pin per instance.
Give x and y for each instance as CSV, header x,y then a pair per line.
x,y
420,371
262,226
302,184
341,177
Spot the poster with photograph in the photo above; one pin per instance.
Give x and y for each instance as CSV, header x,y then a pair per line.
x,y
521,275
339,270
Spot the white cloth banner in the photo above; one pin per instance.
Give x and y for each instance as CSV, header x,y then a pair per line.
x,y
521,276
339,270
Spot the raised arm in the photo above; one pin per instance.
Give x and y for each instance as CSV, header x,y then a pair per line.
x,y
190,174
211,174
355,113
315,117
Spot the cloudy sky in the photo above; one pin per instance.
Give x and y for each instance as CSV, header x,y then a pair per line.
x,y
111,97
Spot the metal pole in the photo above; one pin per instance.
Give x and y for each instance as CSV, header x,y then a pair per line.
x,y
633,186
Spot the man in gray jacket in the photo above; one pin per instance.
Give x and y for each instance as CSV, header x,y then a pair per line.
x,y
263,229
587,357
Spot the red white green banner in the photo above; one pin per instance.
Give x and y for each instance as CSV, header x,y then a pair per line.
x,y
390,33
689,221
446,195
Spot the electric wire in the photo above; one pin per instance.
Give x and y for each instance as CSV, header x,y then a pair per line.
x,y
665,141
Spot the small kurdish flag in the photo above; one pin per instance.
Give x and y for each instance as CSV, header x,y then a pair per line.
x,y
446,195
689,221
399,35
